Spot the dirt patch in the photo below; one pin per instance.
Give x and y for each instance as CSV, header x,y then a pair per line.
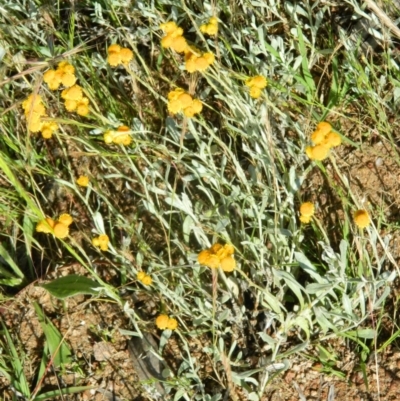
x,y
306,380
90,328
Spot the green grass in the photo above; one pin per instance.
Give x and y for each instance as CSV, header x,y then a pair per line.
x,y
236,173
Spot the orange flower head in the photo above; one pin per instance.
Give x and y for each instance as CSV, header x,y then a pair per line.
x,y
332,140
66,67
73,93
324,127
82,107
65,219
45,226
172,324
178,44
169,27
114,49
318,137
126,55
307,209
218,256
101,242
317,152
361,218
114,59
48,128
60,230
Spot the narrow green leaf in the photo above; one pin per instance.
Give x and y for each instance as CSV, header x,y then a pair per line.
x,y
62,391
71,285
8,259
58,349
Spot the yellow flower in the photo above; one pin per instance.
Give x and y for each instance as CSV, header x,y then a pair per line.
x,y
119,55
73,93
255,92
52,79
45,226
179,100
71,105
126,55
48,128
60,230
361,218
108,137
82,107
178,44
318,136
307,210
141,275
114,49
121,137
66,67
63,75
324,127
258,81
172,324
173,38
144,278
114,59
197,62
68,80
33,104
218,256
83,181
101,242
211,28
194,108
66,219
162,322
332,140
169,27
35,125
305,219
317,152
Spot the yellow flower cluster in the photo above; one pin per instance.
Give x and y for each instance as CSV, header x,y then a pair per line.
x,y
211,28
64,74
34,112
324,139
83,181
195,61
218,256
75,101
119,55
174,37
144,278
256,85
119,137
307,210
180,101
59,228
101,242
362,219
163,322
